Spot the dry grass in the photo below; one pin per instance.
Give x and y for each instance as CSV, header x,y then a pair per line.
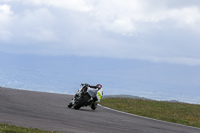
x,y
6,128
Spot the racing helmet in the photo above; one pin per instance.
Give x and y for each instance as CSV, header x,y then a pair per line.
x,y
99,86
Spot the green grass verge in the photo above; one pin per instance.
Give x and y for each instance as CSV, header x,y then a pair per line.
x,y
6,128
181,113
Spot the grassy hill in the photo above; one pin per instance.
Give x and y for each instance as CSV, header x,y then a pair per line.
x,y
176,112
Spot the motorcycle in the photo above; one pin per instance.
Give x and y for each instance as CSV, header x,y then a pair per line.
x,y
85,96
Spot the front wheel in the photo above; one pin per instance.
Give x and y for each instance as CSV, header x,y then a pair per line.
x,y
82,101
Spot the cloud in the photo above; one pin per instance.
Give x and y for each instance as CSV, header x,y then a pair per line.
x,y
38,24
5,18
188,17
160,31
126,17
76,5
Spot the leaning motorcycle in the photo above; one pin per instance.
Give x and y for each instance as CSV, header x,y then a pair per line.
x,y
85,96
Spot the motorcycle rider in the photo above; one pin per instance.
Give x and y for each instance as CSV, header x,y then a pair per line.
x,y
96,100
98,96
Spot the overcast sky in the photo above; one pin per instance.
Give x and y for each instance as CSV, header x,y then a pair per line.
x,y
153,30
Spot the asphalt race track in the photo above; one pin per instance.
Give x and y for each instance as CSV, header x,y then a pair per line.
x,y
49,111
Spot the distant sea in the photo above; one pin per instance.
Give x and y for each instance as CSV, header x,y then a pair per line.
x,y
118,76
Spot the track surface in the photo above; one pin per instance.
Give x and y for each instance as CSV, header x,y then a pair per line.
x,y
49,112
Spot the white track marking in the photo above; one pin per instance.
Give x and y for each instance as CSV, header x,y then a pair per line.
x,y
146,117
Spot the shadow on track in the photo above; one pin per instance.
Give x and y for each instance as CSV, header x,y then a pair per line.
x,y
83,109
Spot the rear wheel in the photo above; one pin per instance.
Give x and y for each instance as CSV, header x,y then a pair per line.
x,y
94,106
81,101
70,105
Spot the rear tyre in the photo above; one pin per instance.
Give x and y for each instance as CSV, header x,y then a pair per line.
x,y
70,105
94,106
82,101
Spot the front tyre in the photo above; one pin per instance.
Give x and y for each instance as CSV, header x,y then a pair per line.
x,y
82,101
